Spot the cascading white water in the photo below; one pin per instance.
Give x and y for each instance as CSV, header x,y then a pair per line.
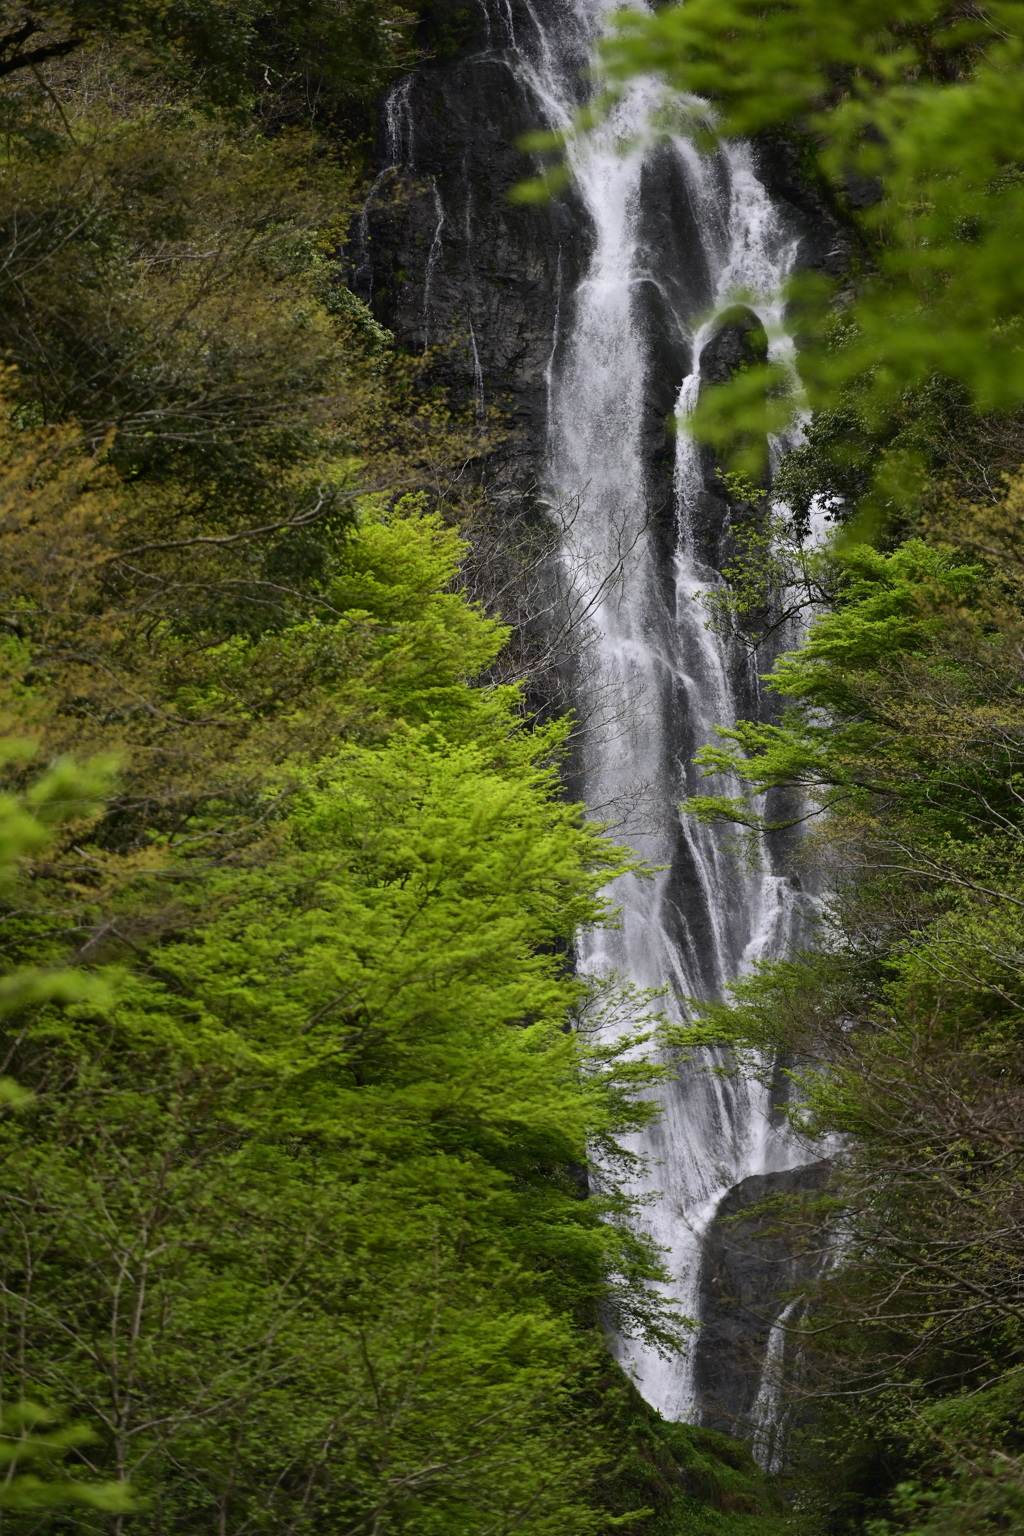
x,y
651,655
767,1423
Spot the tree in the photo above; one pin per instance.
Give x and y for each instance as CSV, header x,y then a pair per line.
x,y
29,1442
308,53
298,1193
296,1226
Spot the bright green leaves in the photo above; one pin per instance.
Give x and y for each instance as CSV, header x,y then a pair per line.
x,y
32,1448
326,1132
861,694
415,904
300,1180
66,793
399,571
921,107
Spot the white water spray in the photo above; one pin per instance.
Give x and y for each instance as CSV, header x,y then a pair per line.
x,y
766,1420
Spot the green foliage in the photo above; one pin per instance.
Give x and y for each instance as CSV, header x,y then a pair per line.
x,y
693,1481
297,1189
772,576
918,101
896,476
340,1207
30,1445
65,793
182,310
850,692
228,51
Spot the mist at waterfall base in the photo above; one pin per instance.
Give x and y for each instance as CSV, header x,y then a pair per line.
x,y
656,681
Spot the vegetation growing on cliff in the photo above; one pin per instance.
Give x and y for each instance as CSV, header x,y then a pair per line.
x,y
901,730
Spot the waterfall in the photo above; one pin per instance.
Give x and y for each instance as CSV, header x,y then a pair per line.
x,y
653,667
767,1425
654,681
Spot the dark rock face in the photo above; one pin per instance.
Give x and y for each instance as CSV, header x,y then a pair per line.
x,y
751,1270
739,342
447,261
829,238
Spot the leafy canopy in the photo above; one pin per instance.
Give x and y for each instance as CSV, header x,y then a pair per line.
x,y
918,102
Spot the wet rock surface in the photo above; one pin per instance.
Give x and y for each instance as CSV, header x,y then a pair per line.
x,y
830,240
446,260
752,1270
